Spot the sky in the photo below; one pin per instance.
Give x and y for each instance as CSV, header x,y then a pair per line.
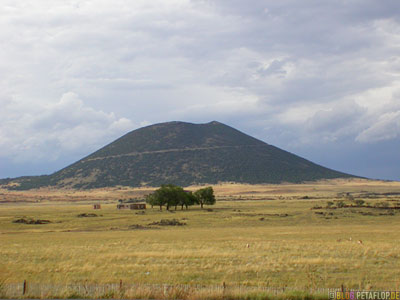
x,y
320,79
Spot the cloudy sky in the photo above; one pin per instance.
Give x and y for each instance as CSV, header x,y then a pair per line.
x,y
317,78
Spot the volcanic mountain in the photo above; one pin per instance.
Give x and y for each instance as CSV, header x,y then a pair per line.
x,y
184,154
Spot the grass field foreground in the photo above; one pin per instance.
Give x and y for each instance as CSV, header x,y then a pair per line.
x,y
275,240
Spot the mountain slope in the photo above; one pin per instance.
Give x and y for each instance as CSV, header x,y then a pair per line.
x,y
184,153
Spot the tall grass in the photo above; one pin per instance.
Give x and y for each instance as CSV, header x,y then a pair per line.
x,y
279,243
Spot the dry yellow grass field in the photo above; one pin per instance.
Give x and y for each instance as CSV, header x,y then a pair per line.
x,y
264,235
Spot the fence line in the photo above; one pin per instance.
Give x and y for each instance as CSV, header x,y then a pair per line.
x,y
31,289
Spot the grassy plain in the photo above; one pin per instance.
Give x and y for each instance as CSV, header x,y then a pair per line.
x,y
264,235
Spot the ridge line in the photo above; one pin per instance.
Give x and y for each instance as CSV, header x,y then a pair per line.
x,y
166,151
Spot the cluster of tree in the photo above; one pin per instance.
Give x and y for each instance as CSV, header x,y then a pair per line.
x,y
173,196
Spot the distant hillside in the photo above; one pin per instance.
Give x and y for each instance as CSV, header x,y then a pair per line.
x,y
183,154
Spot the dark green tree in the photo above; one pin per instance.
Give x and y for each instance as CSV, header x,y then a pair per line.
x,y
168,195
187,199
151,200
156,199
205,196
172,194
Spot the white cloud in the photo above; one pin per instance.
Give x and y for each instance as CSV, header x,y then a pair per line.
x,y
387,127
62,128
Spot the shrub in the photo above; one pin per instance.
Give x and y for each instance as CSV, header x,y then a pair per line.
x,y
359,202
329,204
382,204
340,204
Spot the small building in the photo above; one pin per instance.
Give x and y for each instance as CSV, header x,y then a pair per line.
x,y
138,206
132,206
96,206
123,206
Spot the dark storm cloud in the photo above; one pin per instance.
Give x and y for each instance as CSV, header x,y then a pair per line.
x,y
75,75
